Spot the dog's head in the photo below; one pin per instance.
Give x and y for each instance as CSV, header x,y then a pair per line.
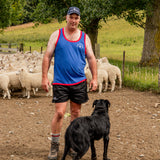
x,y
102,104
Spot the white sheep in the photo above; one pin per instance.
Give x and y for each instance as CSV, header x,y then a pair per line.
x,y
29,61
102,79
88,76
14,82
113,72
33,80
4,85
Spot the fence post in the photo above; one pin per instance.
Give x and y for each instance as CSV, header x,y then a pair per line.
x,y
21,47
30,49
9,46
0,47
123,66
41,49
97,50
159,73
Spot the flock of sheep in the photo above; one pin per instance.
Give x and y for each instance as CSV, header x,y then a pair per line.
x,y
23,71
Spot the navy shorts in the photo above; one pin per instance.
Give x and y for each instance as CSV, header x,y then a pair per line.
x,y
76,93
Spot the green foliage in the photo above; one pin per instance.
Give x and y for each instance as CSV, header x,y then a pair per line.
x,y
43,12
28,10
16,12
92,11
133,11
4,13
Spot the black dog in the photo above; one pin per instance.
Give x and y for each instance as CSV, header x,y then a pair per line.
x,y
82,131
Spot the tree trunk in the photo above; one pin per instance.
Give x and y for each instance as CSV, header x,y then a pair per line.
x,y
151,46
92,31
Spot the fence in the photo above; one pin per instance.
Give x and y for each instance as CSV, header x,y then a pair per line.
x,y
141,78
144,78
13,47
9,48
30,48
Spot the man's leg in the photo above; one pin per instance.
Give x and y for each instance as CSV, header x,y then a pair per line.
x,y
56,126
75,110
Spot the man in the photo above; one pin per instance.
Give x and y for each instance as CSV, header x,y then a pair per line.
x,y
70,46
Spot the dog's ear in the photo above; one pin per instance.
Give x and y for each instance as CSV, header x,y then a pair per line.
x,y
94,103
107,103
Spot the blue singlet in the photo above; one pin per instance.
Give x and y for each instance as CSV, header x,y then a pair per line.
x,y
69,60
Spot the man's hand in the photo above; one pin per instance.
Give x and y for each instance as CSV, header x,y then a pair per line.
x,y
93,85
46,84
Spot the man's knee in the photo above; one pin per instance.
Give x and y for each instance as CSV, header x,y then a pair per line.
x,y
60,114
75,113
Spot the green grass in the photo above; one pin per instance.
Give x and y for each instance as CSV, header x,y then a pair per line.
x,y
114,37
117,36
36,37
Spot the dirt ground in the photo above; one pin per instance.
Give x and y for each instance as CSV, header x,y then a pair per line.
x,y
134,134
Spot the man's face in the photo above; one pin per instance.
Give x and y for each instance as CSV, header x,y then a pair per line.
x,y
73,21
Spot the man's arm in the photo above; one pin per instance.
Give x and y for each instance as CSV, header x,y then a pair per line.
x,y
47,59
92,64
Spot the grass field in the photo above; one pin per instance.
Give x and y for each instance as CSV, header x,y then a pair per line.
x,y
114,37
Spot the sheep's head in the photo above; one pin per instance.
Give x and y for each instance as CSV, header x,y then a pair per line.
x,y
22,71
105,60
99,62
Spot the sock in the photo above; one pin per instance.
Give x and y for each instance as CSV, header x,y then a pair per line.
x,y
55,137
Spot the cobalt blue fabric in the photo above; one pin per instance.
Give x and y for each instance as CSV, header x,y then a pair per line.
x,y
69,60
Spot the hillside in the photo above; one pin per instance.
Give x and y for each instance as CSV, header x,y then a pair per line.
x,y
114,37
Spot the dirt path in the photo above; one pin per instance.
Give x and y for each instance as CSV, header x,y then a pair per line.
x,y
135,126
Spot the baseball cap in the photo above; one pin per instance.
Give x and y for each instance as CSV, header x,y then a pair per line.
x,y
72,10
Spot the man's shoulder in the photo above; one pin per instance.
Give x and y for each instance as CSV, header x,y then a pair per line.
x,y
55,33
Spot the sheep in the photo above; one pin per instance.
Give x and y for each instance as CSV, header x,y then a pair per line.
x,y
88,76
11,68
4,85
102,79
32,80
10,64
14,82
113,72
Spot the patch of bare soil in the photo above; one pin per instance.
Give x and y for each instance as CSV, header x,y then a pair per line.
x,y
134,134
26,25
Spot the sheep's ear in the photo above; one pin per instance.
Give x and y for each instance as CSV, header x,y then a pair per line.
x,y
94,103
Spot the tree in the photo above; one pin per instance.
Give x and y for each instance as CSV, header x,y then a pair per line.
x,y
28,10
150,10
151,46
16,12
44,11
5,13
133,11
92,11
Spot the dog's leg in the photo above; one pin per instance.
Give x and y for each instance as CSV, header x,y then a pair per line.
x,y
76,158
93,151
106,142
66,149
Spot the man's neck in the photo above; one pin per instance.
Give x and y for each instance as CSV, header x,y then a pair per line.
x,y
70,30
72,34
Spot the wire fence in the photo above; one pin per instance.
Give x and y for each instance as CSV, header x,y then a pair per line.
x,y
143,78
